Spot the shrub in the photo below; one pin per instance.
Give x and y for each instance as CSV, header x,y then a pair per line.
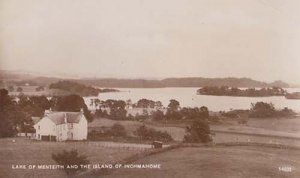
x,y
117,130
70,158
150,134
198,132
261,110
265,110
158,115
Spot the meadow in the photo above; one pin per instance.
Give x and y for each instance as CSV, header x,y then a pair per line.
x,y
218,162
25,152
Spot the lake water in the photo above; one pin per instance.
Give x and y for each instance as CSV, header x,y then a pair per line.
x,y
188,98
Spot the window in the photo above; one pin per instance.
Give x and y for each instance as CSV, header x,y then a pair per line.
x,y
39,127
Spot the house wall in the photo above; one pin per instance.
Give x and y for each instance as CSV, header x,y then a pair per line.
x,y
68,131
44,127
62,132
80,129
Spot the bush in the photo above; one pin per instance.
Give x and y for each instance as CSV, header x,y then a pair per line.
x,y
261,110
117,130
158,115
265,110
198,132
70,158
150,134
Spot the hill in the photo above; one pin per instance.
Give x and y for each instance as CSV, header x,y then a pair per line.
x,y
11,78
181,82
217,162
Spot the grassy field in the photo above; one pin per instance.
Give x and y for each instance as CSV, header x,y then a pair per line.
x,y
287,127
218,162
130,126
279,124
27,152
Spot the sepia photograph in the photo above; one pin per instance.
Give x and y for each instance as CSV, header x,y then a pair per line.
x,y
149,89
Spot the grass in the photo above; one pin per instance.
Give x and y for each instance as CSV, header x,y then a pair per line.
x,y
279,124
177,133
27,152
217,162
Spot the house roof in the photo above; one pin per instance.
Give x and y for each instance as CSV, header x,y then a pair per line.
x,y
59,117
35,119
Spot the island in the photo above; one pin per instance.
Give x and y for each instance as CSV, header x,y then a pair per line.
x,y
249,92
80,89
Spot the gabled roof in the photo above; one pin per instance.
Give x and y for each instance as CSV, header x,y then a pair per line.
x,y
35,119
64,117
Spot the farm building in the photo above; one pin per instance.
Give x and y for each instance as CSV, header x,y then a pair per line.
x,y
61,126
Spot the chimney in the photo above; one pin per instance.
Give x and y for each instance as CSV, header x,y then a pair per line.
x,y
47,112
66,118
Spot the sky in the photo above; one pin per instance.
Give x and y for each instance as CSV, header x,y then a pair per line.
x,y
259,39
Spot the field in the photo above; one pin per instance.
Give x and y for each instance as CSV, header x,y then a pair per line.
x,y
26,152
234,161
130,126
283,131
218,162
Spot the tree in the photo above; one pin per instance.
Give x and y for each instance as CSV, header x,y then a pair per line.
x,y
146,133
158,104
204,112
172,111
117,109
71,161
40,88
73,103
11,88
198,132
145,103
173,105
19,89
33,106
9,115
262,109
158,115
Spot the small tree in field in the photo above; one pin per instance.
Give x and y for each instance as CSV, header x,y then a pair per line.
x,y
71,161
198,132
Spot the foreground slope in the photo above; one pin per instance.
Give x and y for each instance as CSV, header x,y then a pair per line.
x,y
218,162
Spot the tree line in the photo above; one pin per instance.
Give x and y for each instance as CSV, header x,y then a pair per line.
x,y
233,91
80,89
116,110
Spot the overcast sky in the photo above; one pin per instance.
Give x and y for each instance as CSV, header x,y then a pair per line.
x,y
259,39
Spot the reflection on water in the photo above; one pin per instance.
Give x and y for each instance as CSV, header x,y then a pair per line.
x,y
188,98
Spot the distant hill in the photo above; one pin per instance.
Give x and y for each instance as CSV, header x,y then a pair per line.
x,y
145,83
180,82
279,83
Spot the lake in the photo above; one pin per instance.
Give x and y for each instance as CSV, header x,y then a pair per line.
x,y
188,98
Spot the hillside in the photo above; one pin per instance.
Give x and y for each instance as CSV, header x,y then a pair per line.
x,y
181,82
18,79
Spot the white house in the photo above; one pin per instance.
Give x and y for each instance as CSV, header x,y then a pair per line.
x,y
61,126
